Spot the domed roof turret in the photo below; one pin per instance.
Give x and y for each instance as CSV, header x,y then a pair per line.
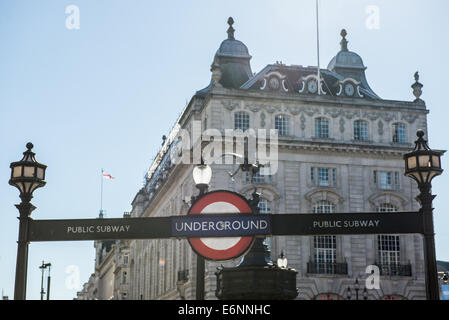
x,y
232,47
346,58
232,59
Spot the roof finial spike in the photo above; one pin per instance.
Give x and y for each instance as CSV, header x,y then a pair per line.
x,y
230,29
344,42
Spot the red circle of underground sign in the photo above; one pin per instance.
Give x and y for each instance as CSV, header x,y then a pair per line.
x,y
240,247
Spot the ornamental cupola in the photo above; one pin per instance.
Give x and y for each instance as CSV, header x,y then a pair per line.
x,y
231,67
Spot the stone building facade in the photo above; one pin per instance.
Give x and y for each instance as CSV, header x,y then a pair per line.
x,y
340,149
110,281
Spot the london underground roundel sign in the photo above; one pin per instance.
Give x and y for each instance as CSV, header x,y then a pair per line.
x,y
221,248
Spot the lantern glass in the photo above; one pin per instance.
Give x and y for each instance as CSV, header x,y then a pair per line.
x,y
424,160
411,163
28,171
17,171
436,161
202,174
40,173
282,262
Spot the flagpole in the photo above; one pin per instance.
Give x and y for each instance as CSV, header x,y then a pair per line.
x,y
318,48
101,194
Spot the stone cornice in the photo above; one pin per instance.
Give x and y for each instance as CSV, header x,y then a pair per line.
x,y
343,147
268,97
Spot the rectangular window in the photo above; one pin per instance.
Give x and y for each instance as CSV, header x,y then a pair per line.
x,y
263,176
325,253
282,124
324,177
386,180
321,128
241,121
388,249
360,130
399,134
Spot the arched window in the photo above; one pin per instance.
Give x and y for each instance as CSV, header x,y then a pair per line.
x,y
321,128
282,124
399,132
324,247
241,121
361,130
386,207
264,206
323,207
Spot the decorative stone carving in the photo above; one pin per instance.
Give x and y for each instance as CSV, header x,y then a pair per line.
x,y
230,105
334,113
380,127
351,114
310,111
262,120
417,89
371,115
294,110
410,118
342,125
303,122
271,109
253,107
388,116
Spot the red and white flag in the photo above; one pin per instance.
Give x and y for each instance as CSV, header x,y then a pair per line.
x,y
108,176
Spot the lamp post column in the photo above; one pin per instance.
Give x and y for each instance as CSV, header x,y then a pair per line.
x,y
25,209
425,198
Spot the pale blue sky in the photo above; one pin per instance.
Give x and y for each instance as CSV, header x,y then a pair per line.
x,y
103,95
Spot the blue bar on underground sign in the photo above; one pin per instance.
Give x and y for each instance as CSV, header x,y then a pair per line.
x,y
216,226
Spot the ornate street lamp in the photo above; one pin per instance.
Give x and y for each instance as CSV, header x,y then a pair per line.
x,y
357,288
422,165
202,174
282,260
26,175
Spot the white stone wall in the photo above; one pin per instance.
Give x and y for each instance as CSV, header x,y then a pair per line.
x,y
155,263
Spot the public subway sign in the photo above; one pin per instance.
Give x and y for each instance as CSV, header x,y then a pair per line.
x,y
216,237
226,225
